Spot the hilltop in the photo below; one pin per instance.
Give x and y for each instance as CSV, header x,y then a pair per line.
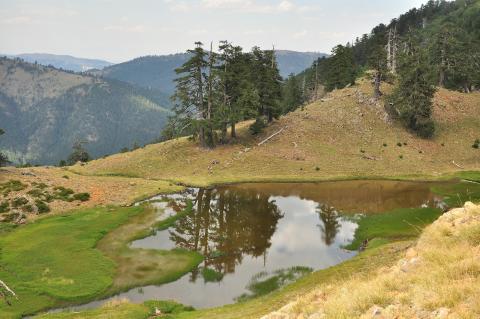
x,y
344,135
44,110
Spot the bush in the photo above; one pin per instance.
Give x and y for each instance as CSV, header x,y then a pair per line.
x,y
258,126
19,201
63,193
476,144
4,207
425,128
42,207
83,197
399,144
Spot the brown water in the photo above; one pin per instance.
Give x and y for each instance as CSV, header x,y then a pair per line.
x,y
243,230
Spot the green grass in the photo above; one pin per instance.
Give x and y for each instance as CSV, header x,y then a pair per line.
x,y
456,194
123,310
401,223
211,275
115,311
54,261
264,283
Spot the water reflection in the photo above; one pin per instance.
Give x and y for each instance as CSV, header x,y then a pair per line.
x,y
244,230
227,225
330,225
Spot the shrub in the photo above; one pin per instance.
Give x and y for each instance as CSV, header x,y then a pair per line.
x,y
476,144
42,207
258,126
400,157
19,201
385,145
63,193
83,197
4,207
399,144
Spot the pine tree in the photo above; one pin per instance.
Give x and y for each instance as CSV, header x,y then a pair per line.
x,y
341,70
79,154
414,93
190,96
292,94
267,79
234,72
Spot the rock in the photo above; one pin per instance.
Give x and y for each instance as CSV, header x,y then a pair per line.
x,y
28,174
376,311
215,162
441,313
158,312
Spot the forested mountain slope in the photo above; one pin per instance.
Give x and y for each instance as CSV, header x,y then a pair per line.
x,y
445,33
43,111
346,135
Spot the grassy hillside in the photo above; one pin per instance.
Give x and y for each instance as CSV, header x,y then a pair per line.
x,y
44,110
345,135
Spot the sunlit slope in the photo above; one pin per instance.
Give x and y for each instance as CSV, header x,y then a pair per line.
x,y
346,135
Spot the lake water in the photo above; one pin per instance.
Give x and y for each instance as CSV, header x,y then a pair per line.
x,y
253,230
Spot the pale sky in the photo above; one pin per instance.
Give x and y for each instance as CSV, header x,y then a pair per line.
x,y
119,30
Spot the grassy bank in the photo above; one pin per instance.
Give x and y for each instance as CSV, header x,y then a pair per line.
x,y
54,261
437,278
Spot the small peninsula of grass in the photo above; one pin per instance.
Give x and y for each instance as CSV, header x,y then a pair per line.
x,y
404,223
55,261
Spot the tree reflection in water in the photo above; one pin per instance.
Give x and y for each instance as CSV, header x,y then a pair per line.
x,y
331,224
225,225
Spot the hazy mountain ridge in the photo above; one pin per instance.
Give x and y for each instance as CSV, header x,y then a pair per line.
x,y
158,72
44,110
65,62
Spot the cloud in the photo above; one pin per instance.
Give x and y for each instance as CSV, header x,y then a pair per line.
x,y
300,34
18,20
122,28
243,6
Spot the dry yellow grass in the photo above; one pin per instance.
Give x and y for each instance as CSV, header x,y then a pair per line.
x,y
341,137
438,278
103,190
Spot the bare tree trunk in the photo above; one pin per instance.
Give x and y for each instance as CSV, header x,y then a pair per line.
x,y
378,78
210,141
233,132
316,82
394,51
224,133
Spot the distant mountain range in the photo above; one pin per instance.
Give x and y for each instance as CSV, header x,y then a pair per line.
x,y
65,62
159,71
44,110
